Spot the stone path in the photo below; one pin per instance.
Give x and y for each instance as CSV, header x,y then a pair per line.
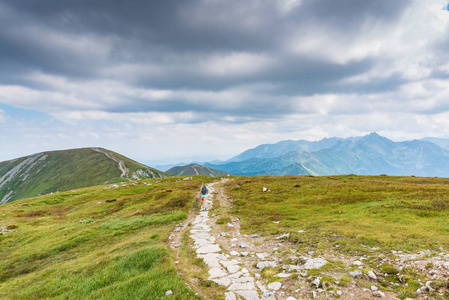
x,y
224,269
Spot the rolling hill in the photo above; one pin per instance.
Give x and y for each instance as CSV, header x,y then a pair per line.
x,y
195,169
368,155
101,242
53,171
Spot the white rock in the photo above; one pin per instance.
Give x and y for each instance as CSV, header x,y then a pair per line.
x,y
372,275
249,294
285,235
317,282
208,249
216,273
269,296
168,293
266,264
374,288
230,296
283,275
262,256
274,286
301,231
446,265
242,286
230,225
291,298
233,269
242,245
244,279
246,253
225,281
234,240
379,294
315,263
257,275
339,293
234,253
357,263
356,273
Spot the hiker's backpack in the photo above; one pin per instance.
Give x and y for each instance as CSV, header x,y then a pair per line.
x,y
204,190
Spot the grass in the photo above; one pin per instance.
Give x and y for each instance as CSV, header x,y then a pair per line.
x,y
95,243
353,214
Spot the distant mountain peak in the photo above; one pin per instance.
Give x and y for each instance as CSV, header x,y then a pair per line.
x,y
195,169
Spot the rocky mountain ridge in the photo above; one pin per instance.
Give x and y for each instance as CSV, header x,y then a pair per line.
x,y
368,155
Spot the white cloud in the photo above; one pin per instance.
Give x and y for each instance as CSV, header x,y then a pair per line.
x,y
236,64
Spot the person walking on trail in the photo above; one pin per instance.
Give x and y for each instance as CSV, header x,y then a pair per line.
x,y
203,196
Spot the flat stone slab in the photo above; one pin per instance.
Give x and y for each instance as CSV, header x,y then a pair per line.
x,y
241,286
274,286
225,281
249,295
283,275
211,259
244,279
208,249
230,296
233,268
315,263
262,256
217,273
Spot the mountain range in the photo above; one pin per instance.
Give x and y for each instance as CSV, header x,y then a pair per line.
x,y
54,171
368,155
195,169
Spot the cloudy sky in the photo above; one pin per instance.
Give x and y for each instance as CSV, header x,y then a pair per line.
x,y
163,81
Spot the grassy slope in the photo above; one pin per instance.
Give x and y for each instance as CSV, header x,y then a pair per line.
x,y
75,245
66,170
357,213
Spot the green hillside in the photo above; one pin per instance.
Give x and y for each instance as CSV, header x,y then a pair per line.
x,y
54,171
195,169
395,227
104,242
408,213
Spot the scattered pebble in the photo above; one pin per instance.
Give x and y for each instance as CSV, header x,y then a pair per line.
x,y
372,275
356,273
378,294
357,263
275,286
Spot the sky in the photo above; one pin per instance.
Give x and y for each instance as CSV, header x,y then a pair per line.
x,y
178,80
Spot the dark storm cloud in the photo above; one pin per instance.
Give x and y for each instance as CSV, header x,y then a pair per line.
x,y
169,45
